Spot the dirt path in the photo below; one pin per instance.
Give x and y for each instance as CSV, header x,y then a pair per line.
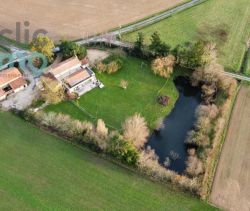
x,y
77,18
231,188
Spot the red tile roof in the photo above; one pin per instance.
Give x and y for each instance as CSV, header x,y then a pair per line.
x,y
77,77
20,82
9,75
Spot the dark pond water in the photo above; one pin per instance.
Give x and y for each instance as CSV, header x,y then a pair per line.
x,y
170,140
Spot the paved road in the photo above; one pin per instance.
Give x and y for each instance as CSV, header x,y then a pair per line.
x,y
111,37
237,76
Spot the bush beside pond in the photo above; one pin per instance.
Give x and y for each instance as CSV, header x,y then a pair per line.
x,y
113,143
212,117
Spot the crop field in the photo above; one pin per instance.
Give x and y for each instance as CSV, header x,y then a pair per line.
x,y
41,172
77,18
114,104
231,185
225,22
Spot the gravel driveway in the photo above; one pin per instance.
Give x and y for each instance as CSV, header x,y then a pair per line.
x,y
95,55
24,98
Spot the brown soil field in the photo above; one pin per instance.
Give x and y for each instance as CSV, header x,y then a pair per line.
x,y
76,19
231,188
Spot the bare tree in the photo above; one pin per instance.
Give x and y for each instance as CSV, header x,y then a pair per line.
x,y
163,66
135,129
194,164
124,84
101,128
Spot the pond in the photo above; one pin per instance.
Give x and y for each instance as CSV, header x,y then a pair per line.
x,y
169,141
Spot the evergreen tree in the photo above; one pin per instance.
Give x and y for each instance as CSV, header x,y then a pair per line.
x,y
139,46
158,47
196,52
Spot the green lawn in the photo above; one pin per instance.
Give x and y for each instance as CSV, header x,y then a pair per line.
x,y
41,172
206,21
114,105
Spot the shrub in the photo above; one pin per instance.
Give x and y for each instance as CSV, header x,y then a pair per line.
x,y
193,55
207,134
210,111
203,124
163,100
149,165
197,138
98,136
101,67
123,84
194,165
135,129
213,81
80,128
70,49
114,144
208,93
148,162
60,123
163,66
112,67
101,129
117,57
122,150
86,133
211,155
205,115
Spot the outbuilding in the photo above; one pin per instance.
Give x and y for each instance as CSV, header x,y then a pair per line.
x,y
11,81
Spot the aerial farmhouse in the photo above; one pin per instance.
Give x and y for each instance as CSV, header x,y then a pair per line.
x,y
75,76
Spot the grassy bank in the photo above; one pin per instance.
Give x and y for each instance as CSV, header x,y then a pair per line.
x,y
13,42
114,104
39,171
214,20
4,49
